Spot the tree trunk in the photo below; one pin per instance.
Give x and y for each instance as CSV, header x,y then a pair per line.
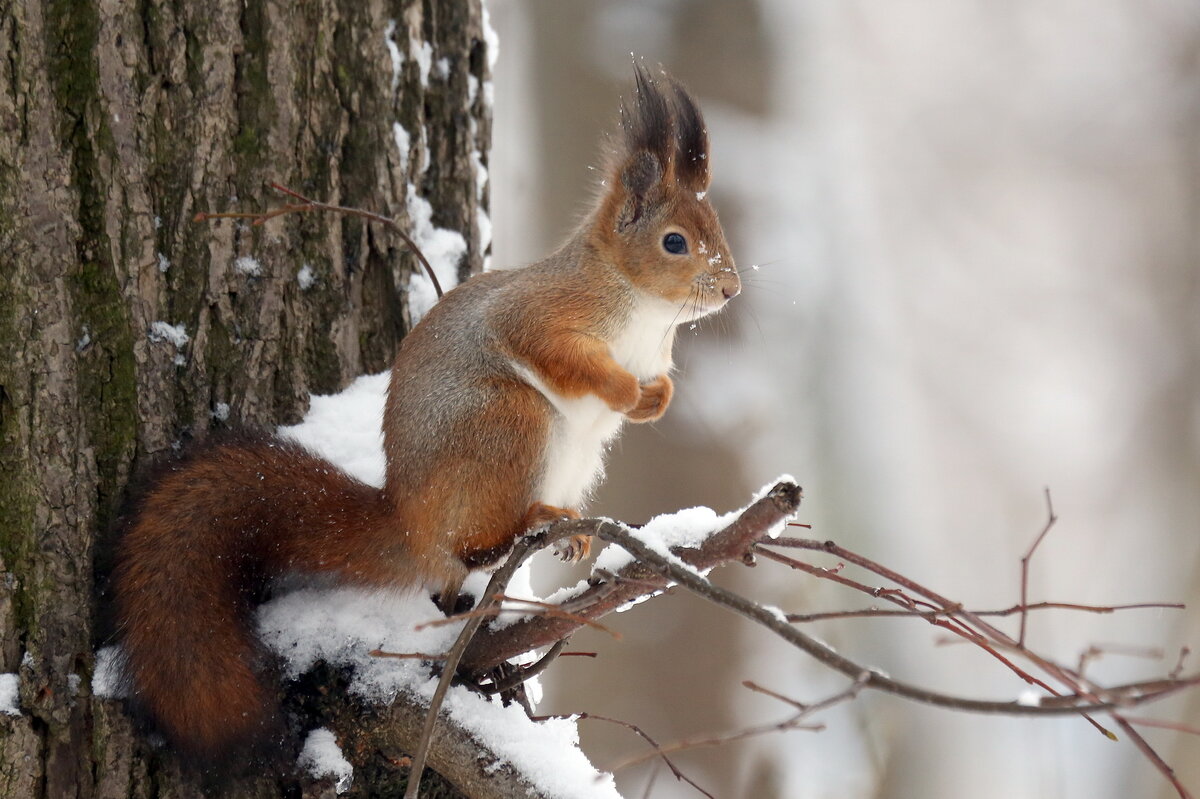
x,y
127,329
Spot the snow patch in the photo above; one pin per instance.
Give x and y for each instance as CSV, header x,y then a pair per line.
x,y
1029,698
687,528
422,53
342,625
247,265
484,223
163,263
444,249
546,753
10,694
394,52
481,174
336,428
779,615
490,38
321,757
220,411
403,143
426,159
306,277
164,331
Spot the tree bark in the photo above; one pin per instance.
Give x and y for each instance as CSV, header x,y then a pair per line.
x,y
119,121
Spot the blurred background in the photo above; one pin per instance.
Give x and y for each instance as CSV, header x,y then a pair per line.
x,y
975,236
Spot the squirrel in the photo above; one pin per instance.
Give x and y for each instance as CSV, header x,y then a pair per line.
x,y
500,405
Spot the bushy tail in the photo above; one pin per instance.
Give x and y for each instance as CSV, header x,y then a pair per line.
x,y
188,650
208,536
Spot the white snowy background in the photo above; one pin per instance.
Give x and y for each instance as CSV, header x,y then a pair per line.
x,y
977,230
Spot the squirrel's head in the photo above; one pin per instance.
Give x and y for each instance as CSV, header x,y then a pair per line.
x,y
654,215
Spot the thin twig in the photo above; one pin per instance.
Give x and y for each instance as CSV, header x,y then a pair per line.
x,y
307,204
379,653
867,613
759,689
938,617
559,611
583,716
1097,698
539,608
526,673
1154,757
1097,651
984,635
1183,654
983,627
1177,726
794,722
679,775
1050,520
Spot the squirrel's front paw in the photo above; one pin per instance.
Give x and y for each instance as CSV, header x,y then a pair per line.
x,y
652,403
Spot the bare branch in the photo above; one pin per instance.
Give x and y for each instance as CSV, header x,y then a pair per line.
x,y
307,204
1050,520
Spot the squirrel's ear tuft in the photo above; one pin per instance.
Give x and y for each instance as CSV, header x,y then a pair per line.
x,y
645,148
691,139
662,146
646,119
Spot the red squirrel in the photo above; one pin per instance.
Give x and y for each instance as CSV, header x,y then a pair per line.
x,y
501,403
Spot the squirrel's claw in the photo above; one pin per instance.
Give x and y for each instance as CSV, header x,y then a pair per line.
x,y
573,548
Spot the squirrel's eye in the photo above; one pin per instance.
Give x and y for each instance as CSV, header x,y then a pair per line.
x,y
675,244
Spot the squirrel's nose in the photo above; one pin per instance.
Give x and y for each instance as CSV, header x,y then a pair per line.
x,y
730,291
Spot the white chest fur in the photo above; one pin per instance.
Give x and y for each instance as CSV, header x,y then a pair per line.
x,y
584,426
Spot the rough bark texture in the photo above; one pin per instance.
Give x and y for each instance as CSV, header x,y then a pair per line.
x,y
119,121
